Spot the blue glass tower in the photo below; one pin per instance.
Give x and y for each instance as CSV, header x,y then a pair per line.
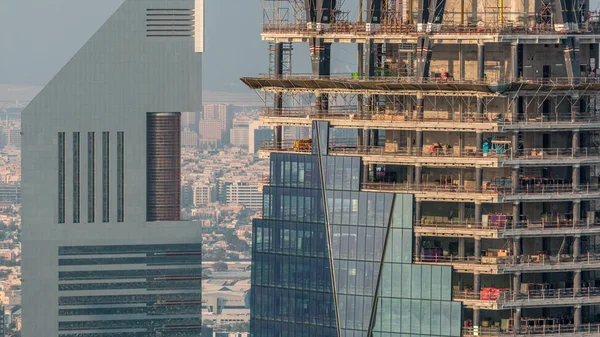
x,y
330,260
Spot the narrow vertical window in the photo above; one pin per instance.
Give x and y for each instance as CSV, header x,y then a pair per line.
x,y
76,178
120,177
105,177
91,177
61,177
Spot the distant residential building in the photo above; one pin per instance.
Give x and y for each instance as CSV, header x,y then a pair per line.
x,y
258,133
211,129
208,143
239,137
13,136
189,138
10,194
242,192
187,195
204,192
189,120
2,323
223,114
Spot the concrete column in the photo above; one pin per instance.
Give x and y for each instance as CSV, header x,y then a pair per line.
x,y
278,136
515,144
480,108
574,106
461,143
410,175
516,214
461,62
517,320
478,141
516,285
515,111
576,170
461,248
477,248
420,103
418,244
515,179
278,97
476,282
576,246
577,280
418,212
517,249
365,173
418,174
419,142
577,316
514,56
575,141
478,213
476,318
480,61
478,179
461,211
576,211
517,246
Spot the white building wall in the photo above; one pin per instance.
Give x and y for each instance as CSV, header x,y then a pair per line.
x,y
110,85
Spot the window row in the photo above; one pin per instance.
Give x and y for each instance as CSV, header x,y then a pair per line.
x,y
125,274
302,239
295,306
91,176
293,272
170,260
267,328
130,249
416,281
191,298
419,317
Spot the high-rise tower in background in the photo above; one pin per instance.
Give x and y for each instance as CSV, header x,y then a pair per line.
x,y
104,251
462,198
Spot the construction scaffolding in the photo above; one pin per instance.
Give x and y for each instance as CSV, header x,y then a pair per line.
x,y
487,112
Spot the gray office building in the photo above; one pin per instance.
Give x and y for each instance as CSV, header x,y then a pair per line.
x,y
104,251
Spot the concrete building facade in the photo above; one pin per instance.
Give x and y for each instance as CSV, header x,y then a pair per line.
x,y
101,184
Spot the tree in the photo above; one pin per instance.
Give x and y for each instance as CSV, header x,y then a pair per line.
x,y
220,266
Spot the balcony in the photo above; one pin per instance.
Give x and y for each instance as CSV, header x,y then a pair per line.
x,y
490,193
506,229
506,299
341,117
344,31
408,85
449,157
509,264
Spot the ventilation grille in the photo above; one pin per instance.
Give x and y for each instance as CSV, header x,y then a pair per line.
x,y
169,22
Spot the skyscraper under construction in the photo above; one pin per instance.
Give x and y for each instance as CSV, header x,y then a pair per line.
x,y
463,201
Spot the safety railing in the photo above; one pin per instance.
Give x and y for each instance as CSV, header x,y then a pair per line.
x,y
549,329
345,27
521,260
347,147
508,295
508,225
345,114
501,190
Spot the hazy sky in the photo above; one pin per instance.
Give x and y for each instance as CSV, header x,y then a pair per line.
x,y
37,37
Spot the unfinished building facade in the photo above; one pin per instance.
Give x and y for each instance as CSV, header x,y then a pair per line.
x,y
487,113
